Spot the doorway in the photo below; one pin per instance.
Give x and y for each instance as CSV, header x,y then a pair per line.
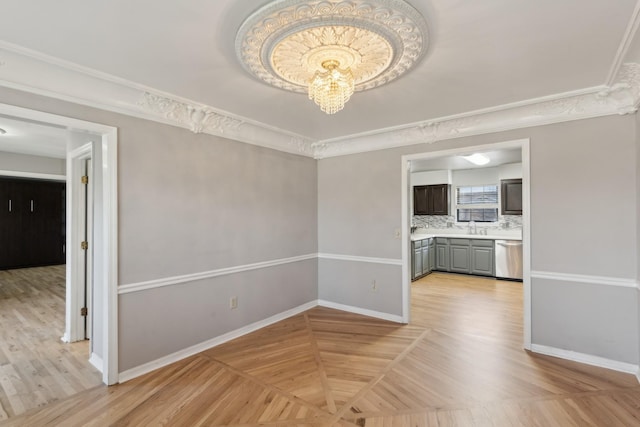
x,y
102,265
523,146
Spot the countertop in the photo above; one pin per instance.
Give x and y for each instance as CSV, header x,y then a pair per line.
x,y
494,235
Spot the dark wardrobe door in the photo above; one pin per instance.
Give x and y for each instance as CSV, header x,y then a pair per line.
x,y
11,225
49,219
32,223
5,220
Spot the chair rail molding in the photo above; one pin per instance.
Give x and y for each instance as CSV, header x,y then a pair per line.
x,y
35,72
176,280
582,278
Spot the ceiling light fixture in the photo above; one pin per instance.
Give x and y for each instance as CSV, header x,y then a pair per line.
x,y
477,159
332,88
330,49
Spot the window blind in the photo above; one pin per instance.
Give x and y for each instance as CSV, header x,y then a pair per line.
x,y
477,203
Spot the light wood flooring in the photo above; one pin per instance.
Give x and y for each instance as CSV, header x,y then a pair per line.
x,y
459,363
36,367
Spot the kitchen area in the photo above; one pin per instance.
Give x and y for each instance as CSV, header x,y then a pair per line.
x,y
466,215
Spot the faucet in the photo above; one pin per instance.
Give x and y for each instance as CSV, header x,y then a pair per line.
x,y
475,228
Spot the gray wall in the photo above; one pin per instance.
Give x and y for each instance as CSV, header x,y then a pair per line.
x,y
351,284
583,221
28,163
184,315
192,203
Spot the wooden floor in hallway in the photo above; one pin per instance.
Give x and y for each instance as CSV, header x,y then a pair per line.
x,y
36,367
458,363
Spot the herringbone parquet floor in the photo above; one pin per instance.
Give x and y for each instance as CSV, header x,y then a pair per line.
x,y
459,363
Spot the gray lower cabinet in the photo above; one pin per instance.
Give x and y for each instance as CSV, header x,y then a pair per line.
x,y
425,258
459,259
482,256
465,256
442,254
416,259
422,258
432,254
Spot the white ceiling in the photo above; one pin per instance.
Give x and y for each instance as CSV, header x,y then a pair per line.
x,y
496,158
482,54
26,137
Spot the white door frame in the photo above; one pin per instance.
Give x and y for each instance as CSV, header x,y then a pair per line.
x,y
76,203
109,278
526,223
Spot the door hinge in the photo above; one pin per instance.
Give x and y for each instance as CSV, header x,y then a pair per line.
x,y
83,311
85,179
84,245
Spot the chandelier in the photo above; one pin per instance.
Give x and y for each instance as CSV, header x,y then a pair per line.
x,y
331,89
330,49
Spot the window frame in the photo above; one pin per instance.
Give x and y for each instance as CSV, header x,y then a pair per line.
x,y
485,206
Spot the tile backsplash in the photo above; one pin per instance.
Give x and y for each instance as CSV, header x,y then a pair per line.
x,y
505,222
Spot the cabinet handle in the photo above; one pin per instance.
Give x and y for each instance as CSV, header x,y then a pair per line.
x,y
31,205
9,205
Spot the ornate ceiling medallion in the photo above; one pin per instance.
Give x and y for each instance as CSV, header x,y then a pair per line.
x,y
289,44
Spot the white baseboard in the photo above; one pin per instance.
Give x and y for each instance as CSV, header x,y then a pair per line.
x,y
132,373
96,361
363,311
587,359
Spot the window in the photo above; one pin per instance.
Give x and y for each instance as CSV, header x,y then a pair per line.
x,y
477,203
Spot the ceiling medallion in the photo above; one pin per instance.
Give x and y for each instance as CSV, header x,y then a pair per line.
x,y
330,49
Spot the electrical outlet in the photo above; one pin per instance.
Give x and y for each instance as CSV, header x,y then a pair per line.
x,y
233,302
374,286
397,233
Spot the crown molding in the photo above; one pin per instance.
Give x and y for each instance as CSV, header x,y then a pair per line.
x,y
623,97
623,48
33,72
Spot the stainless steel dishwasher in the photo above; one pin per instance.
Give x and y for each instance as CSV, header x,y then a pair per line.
x,y
508,258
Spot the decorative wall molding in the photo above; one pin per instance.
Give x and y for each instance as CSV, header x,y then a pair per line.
x,y
41,74
34,72
145,368
579,278
389,261
586,358
378,40
625,44
623,97
197,119
176,280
